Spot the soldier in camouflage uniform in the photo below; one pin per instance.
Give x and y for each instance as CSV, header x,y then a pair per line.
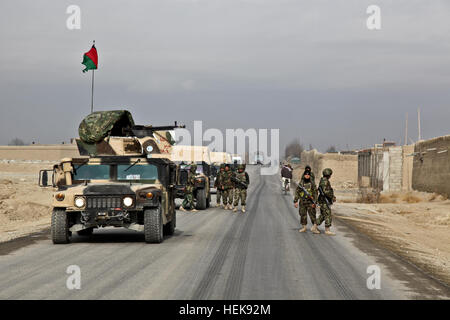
x,y
241,184
189,192
227,188
325,210
307,203
218,184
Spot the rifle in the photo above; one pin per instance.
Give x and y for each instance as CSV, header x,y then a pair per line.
x,y
239,182
307,194
324,196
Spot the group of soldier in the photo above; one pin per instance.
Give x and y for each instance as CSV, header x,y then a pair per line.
x,y
231,182
308,197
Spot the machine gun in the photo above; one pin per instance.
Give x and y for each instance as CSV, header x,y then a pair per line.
x,y
324,196
307,194
142,131
239,182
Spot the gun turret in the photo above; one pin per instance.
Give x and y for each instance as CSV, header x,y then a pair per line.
x,y
113,133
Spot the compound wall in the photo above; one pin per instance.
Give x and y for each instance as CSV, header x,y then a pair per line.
x,y
431,166
345,167
39,152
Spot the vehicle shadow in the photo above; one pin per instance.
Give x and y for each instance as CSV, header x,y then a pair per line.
x,y
118,236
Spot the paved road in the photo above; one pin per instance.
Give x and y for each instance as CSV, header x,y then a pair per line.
x,y
216,254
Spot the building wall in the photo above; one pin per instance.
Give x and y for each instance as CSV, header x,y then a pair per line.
x,y
345,167
431,166
407,167
387,169
39,152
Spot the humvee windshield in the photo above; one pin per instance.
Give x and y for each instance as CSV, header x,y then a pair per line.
x,y
92,172
120,172
137,172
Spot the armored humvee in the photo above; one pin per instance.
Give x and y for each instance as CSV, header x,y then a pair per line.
x,y
202,194
124,178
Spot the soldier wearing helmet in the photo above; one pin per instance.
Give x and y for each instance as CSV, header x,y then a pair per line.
x,y
189,191
328,194
218,184
305,199
228,186
242,181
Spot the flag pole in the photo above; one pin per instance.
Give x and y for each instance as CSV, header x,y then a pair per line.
x,y
92,92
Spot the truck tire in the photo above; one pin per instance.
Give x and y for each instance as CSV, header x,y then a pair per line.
x,y
85,232
153,225
169,228
60,226
201,199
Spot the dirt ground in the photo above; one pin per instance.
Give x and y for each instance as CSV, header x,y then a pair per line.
x,y
414,225
24,206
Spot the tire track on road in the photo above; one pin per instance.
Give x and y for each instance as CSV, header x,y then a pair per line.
x,y
339,285
234,283
208,280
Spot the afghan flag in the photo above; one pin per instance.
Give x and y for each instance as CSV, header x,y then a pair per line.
x,y
90,59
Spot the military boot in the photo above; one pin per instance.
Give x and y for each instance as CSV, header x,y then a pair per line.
x,y
243,209
302,229
217,205
235,209
314,229
328,232
182,209
194,210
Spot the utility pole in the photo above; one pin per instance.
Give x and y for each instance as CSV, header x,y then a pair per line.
x,y
406,130
418,123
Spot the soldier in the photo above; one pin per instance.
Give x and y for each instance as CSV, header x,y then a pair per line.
x,y
306,195
189,192
227,188
242,181
328,194
218,184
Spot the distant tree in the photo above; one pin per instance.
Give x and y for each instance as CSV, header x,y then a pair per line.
x,y
16,142
310,147
293,149
331,149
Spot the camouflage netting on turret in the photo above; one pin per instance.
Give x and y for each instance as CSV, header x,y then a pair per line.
x,y
101,124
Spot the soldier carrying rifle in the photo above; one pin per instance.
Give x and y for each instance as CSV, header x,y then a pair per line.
x,y
306,195
326,199
241,181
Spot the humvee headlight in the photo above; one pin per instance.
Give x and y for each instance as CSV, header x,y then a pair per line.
x,y
127,201
80,202
199,180
60,196
149,195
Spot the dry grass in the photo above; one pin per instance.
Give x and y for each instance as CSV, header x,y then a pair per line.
x,y
373,196
409,198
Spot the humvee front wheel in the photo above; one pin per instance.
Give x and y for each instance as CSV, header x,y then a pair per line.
x,y
60,226
153,225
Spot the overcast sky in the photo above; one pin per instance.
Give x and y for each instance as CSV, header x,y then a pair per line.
x,y
310,68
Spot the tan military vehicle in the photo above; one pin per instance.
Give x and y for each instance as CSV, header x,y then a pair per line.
x,y
124,178
185,155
